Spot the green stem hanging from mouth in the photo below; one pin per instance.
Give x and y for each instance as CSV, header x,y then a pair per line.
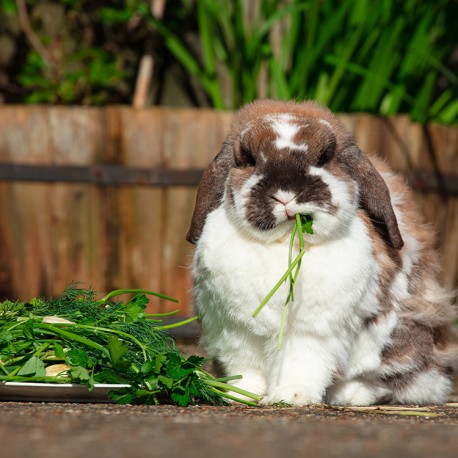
x,y
303,224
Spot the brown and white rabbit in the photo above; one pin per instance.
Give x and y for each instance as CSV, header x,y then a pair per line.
x,y
370,322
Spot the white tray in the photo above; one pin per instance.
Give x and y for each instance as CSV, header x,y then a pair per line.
x,y
55,392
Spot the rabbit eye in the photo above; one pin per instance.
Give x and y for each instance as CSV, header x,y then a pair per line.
x,y
326,154
322,159
246,158
250,160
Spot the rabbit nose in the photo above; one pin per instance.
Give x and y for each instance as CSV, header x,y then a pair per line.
x,y
284,197
290,213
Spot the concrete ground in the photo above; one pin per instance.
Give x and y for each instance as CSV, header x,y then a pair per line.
x,y
67,430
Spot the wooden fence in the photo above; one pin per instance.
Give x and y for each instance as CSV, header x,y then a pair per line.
x,y
105,195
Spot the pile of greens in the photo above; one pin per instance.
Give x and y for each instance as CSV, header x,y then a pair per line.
x,y
76,338
303,224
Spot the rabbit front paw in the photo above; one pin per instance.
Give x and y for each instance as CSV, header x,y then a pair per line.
x,y
252,383
297,395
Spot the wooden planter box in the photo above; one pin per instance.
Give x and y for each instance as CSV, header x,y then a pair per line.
x,y
115,211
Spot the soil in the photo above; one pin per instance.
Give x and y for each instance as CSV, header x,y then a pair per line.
x,y
81,430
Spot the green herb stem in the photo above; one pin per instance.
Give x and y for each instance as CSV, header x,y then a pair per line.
x,y
282,326
235,398
116,331
34,378
229,379
14,360
303,224
173,312
180,323
4,369
118,292
290,258
279,283
235,389
299,231
70,335
41,349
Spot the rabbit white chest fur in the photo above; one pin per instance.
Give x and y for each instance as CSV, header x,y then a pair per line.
x,y
336,291
239,273
369,322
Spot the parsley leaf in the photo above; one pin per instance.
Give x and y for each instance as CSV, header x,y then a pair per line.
x,y
306,224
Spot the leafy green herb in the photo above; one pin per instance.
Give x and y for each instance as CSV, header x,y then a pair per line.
x,y
303,224
282,405
306,222
105,341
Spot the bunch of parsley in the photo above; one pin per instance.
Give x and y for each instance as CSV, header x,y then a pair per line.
x,y
105,341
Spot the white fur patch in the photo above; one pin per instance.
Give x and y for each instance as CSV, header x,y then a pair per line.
x,y
411,253
286,129
310,359
358,392
430,387
242,195
331,225
244,132
367,348
325,123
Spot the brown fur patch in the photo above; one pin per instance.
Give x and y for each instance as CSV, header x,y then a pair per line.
x,y
389,261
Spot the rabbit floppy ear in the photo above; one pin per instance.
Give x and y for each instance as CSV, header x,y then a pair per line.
x,y
211,190
374,193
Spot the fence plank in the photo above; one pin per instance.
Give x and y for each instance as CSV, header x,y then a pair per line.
x,y
25,251
191,138
140,243
445,219
74,212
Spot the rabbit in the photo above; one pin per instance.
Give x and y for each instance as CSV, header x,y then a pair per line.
x,y
370,323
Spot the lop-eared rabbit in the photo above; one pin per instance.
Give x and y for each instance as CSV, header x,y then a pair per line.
x,y
370,322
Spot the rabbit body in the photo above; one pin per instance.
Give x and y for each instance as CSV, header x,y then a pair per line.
x,y
369,322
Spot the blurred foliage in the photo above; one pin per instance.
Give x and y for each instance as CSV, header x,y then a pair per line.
x,y
378,56
91,55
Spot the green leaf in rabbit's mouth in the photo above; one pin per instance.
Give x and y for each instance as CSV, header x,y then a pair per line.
x,y
306,222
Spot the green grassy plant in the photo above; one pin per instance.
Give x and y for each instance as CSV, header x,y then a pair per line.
x,y
382,56
378,56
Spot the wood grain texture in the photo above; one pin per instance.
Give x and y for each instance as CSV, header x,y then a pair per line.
x,y
26,252
140,243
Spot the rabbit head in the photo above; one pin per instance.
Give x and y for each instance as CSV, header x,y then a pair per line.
x,y
284,158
